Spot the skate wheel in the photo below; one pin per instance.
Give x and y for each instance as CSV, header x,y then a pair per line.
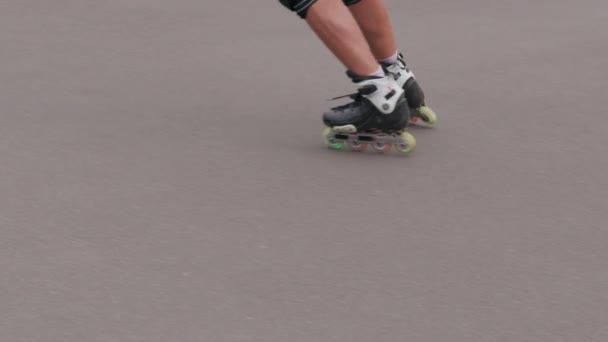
x,y
381,147
330,141
426,115
356,145
407,144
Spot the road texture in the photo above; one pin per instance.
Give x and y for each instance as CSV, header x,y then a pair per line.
x,y
162,177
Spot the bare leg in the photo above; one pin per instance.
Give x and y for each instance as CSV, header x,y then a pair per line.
x,y
336,27
374,20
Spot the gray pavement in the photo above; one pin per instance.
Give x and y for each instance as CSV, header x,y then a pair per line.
x,y
162,177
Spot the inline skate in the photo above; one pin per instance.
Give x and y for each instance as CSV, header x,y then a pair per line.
x,y
377,116
420,113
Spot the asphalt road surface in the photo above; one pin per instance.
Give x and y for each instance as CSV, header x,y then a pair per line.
x,y
162,177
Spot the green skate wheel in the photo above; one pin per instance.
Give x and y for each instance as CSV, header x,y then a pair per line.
x,y
407,145
330,141
426,115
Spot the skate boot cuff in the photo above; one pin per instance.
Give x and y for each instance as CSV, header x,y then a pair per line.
x,y
383,93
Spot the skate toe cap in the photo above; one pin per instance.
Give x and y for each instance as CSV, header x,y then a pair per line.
x,y
329,119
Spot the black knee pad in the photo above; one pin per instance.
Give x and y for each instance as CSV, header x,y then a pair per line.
x,y
350,2
300,7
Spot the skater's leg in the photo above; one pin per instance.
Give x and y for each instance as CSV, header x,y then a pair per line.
x,y
374,20
336,27
379,111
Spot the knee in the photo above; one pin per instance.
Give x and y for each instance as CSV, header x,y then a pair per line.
x,y
300,7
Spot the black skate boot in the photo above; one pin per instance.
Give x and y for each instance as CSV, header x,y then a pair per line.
x,y
377,115
421,114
